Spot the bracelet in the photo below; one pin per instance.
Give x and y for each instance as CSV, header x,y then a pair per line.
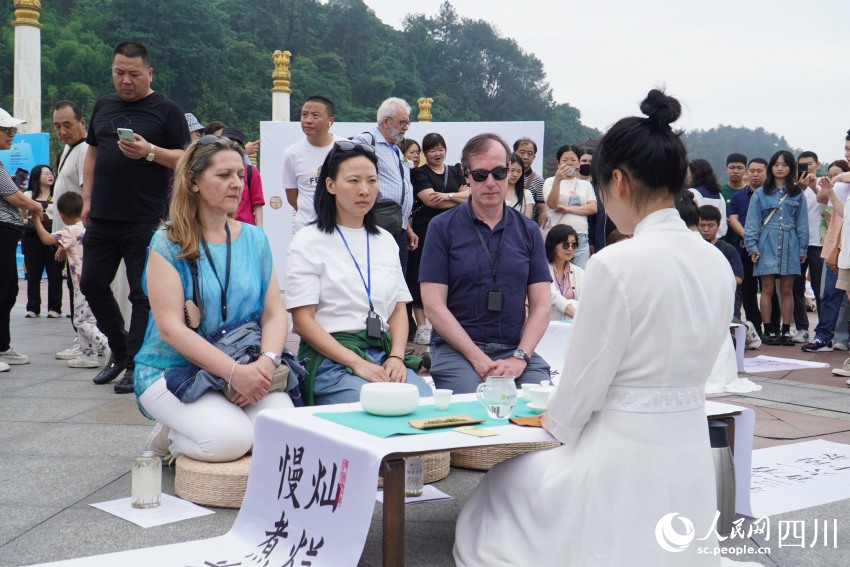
x,y
230,379
394,356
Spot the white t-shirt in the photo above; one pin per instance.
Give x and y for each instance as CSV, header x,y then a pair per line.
x,y
301,164
320,272
574,192
510,199
69,177
814,209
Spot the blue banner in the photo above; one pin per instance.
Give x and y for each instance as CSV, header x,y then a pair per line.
x,y
27,151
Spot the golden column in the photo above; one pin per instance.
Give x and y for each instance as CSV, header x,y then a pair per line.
x,y
280,88
424,109
27,76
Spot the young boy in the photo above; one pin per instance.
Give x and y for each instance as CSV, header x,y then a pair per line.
x,y
89,337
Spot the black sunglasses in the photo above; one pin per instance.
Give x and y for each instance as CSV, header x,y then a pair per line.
x,y
568,245
203,141
348,145
480,175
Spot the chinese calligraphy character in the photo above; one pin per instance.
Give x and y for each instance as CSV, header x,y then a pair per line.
x,y
329,489
291,473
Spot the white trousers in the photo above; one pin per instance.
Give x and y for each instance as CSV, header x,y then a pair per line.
x,y
210,429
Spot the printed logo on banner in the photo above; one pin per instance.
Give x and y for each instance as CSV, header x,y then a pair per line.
x,y
791,534
667,536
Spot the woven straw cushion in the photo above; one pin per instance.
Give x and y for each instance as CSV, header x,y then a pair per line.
x,y
485,458
436,465
212,484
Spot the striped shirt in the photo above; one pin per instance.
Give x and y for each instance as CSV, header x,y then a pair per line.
x,y
9,213
392,184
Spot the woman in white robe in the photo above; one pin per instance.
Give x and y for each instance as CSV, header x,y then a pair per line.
x,y
630,407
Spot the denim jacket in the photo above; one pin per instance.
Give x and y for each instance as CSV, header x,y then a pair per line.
x,y
241,341
785,238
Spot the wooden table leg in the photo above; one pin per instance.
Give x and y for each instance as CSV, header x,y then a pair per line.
x,y
393,543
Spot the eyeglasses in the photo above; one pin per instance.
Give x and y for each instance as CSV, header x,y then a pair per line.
x,y
480,175
568,245
9,131
203,141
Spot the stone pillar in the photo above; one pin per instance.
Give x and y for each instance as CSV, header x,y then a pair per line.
x,y
27,78
424,109
280,90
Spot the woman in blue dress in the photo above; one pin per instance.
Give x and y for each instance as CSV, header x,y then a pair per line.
x,y
776,236
236,283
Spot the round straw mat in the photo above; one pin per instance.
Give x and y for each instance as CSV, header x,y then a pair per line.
x,y
212,484
485,458
436,467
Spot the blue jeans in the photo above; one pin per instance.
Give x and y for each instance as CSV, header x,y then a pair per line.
x,y
335,385
452,370
582,254
830,305
842,332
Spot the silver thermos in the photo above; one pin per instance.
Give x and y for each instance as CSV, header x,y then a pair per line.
x,y
724,475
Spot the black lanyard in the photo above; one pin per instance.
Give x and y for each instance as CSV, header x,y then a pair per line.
x,y
68,154
226,271
493,264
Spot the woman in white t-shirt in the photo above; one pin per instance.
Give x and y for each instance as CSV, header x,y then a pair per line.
x,y
345,288
570,199
518,197
706,190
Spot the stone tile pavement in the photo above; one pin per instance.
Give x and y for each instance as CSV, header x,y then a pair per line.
x,y
66,443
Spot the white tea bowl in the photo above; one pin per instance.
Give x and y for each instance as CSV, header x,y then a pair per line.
x,y
389,398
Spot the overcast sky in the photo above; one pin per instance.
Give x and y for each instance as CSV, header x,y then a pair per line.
x,y
783,65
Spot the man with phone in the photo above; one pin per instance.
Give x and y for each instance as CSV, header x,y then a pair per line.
x,y
125,184
807,179
482,261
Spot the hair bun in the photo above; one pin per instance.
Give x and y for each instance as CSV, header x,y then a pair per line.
x,y
661,109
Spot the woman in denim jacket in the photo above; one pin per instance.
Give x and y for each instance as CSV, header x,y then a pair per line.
x,y
776,236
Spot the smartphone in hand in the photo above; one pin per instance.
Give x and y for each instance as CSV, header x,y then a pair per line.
x,y
126,134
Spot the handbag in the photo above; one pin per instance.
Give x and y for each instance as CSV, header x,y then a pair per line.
x,y
832,260
193,311
388,215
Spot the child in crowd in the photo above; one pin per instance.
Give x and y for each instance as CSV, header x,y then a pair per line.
x,y
91,340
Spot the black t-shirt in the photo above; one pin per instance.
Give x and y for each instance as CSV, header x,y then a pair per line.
x,y
424,177
133,190
732,256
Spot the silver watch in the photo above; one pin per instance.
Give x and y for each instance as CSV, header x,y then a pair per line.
x,y
275,357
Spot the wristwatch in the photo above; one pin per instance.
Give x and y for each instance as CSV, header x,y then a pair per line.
x,y
150,155
520,354
451,196
275,358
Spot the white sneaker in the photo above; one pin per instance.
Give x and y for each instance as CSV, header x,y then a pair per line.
x,y
85,360
801,337
4,367
843,371
423,335
70,353
12,357
31,315
840,346
54,315
753,339
158,441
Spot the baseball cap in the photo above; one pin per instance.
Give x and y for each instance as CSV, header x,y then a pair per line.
x,y
8,121
234,134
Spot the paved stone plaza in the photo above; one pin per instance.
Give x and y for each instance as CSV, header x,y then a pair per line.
x,y
66,443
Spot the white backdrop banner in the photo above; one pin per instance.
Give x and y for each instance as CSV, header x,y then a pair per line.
x,y
277,136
